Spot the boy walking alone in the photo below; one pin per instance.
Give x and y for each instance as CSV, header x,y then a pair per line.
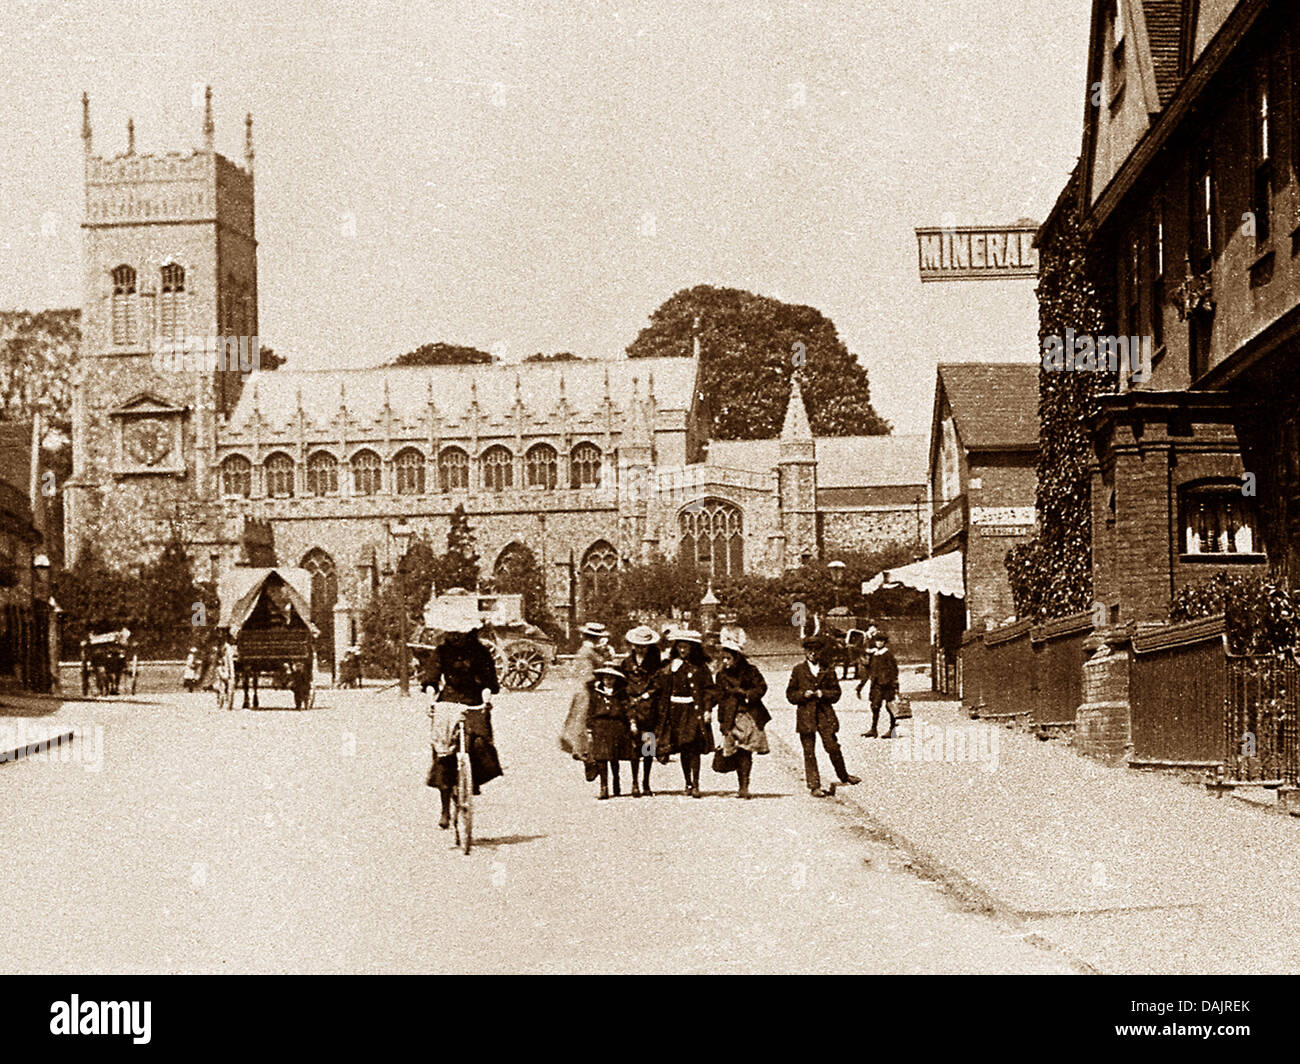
x,y
813,690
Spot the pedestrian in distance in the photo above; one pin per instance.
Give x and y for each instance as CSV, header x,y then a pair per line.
x,y
685,724
741,713
868,655
813,690
591,655
641,667
884,685
608,727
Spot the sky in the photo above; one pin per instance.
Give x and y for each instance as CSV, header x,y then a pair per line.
x,y
539,176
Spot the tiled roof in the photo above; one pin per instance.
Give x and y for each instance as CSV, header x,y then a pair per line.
x,y
409,390
1164,30
995,404
842,461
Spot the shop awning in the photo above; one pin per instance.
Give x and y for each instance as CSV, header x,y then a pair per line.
x,y
942,574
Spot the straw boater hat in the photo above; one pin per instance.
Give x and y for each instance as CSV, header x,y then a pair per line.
x,y
733,641
686,635
611,672
642,636
594,631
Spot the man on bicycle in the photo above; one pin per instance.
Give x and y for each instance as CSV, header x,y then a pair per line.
x,y
461,678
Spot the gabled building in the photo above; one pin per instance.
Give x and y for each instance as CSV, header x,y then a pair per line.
x,y
1191,213
982,485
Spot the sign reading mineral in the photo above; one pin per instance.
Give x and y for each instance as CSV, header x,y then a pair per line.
x,y
977,253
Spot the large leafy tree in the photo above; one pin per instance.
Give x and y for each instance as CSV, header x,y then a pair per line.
x,y
559,356
440,354
750,346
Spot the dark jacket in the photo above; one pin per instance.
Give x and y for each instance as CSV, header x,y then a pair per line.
x,y
810,711
642,689
741,688
884,669
680,726
463,668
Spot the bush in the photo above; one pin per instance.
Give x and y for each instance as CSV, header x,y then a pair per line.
x,y
1261,613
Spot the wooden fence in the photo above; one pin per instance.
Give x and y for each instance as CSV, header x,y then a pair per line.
x,y
1023,670
1176,694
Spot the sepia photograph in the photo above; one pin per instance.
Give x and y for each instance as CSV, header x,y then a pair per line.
x,y
640,487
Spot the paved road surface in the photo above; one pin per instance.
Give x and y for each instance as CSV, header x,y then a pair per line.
x,y
275,841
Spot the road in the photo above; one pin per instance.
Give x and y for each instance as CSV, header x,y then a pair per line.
x,y
274,841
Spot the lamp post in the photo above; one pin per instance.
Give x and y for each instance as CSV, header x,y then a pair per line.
x,y
837,577
402,532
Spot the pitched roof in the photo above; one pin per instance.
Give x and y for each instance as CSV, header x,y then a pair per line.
x,y
995,404
842,461
409,389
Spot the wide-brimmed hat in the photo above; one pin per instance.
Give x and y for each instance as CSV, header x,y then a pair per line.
x,y
642,636
730,642
453,613
686,635
592,630
812,643
609,670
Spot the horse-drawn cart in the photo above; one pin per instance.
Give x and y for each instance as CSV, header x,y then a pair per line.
x,y
268,636
104,658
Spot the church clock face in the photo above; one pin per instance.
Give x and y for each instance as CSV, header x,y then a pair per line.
x,y
148,440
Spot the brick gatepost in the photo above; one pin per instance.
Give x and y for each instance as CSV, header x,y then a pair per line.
x,y
1102,723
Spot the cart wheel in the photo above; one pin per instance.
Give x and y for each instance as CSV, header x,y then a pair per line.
x,y
526,668
464,800
500,660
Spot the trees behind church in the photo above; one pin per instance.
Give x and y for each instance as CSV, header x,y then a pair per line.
x,y
750,346
440,354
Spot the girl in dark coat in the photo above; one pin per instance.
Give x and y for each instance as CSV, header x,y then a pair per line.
x,y
461,674
641,667
608,726
686,707
741,713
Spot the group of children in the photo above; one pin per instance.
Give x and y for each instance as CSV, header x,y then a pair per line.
x,y
649,705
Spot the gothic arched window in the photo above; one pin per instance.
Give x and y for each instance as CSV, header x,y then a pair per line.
x,y
712,537
598,571
542,463
498,469
367,473
124,305
171,302
237,476
453,470
409,469
279,476
584,466
324,593
322,474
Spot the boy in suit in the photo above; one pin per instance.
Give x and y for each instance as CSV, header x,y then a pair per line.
x,y
884,685
813,690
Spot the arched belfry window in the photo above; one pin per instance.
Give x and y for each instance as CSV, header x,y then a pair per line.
x,y
125,308
171,302
541,463
713,537
497,466
584,466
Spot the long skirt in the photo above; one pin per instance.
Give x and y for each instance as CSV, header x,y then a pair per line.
x,y
484,763
573,738
611,740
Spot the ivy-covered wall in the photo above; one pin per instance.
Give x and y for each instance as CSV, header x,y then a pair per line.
x,y
1051,575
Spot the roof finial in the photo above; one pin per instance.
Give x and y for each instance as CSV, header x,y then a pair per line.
x,y
607,383
85,121
130,136
650,388
209,130
248,141
695,337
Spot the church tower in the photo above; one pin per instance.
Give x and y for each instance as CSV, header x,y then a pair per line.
x,y
797,482
169,333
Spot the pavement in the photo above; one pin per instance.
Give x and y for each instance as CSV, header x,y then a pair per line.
x,y
173,837
1123,871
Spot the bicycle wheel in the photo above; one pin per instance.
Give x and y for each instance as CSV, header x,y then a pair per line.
x,y
464,802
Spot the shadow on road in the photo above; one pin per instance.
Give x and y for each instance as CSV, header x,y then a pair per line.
x,y
508,840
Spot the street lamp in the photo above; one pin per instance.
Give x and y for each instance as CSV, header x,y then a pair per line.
x,y
837,577
402,532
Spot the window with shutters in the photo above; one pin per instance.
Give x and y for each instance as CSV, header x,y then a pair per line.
x,y
125,306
